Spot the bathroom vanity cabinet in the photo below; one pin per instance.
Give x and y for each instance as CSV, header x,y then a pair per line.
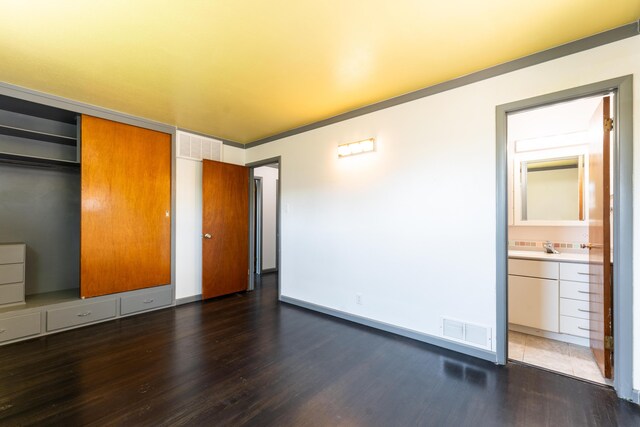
x,y
550,298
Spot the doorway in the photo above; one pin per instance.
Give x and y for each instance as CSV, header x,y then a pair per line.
x,y
558,161
257,221
264,211
558,305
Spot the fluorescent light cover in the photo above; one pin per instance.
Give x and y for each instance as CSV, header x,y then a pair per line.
x,y
356,148
554,141
359,147
367,145
344,150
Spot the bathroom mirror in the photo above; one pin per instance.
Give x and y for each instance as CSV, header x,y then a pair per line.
x,y
550,190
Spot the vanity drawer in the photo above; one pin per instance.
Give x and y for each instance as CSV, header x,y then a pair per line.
x,y
541,269
11,273
533,302
574,272
12,328
574,308
12,254
574,326
574,290
145,301
80,314
12,293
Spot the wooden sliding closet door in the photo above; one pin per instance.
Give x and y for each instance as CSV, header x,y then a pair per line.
x,y
125,224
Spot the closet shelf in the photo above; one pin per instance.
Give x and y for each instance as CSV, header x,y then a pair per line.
x,y
37,135
19,159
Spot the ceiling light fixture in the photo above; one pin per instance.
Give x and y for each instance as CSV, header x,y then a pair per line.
x,y
360,147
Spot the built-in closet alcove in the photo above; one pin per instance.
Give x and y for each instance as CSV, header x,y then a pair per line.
x,y
40,195
85,216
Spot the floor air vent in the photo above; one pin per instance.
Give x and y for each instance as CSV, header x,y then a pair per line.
x,y
467,333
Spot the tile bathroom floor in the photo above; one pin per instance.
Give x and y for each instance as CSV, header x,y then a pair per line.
x,y
569,359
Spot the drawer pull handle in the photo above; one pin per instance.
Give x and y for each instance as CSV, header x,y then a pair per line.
x,y
148,301
85,314
586,311
2,331
586,274
585,329
586,292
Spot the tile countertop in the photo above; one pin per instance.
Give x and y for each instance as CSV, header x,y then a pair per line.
x,y
542,256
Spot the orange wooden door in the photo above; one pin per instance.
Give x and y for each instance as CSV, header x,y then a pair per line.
x,y
125,224
225,228
600,287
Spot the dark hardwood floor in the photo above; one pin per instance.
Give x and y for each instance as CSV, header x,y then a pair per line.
x,y
249,360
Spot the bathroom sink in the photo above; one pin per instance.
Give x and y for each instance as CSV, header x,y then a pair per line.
x,y
539,255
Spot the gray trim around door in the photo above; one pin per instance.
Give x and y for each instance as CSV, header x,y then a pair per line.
x,y
251,167
257,224
622,224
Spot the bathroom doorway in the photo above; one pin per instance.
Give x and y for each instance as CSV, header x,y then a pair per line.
x,y
559,158
566,181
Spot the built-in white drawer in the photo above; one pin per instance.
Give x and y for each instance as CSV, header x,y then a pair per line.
x,y
533,302
12,293
574,308
12,328
574,272
529,268
574,290
11,273
12,253
574,326
80,314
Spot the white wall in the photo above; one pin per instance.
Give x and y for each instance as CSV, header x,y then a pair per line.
x,y
189,221
412,226
269,187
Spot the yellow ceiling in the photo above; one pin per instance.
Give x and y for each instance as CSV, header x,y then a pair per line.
x,y
244,70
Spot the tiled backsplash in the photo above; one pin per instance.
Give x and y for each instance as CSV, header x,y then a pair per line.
x,y
525,244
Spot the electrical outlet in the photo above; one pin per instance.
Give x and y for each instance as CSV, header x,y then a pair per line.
x,y
359,299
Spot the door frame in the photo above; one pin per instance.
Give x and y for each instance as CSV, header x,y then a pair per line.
x,y
252,166
622,220
257,221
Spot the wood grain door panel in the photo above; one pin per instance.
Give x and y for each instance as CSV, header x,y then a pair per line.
x,y
600,287
225,216
125,240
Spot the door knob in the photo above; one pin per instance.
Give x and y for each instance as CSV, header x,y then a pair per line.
x,y
590,245
206,236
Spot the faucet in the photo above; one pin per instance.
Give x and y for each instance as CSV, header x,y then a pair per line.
x,y
548,248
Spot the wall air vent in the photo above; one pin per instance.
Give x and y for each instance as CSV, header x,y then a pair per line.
x,y
196,147
466,333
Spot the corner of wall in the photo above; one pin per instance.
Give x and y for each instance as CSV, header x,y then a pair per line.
x,y
234,155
